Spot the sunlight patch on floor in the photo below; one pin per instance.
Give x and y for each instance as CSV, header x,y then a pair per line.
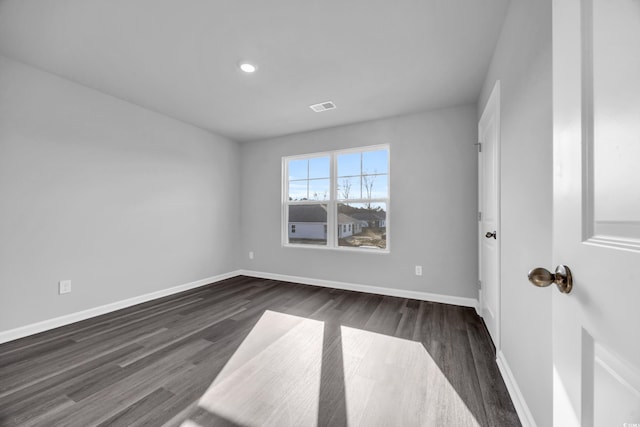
x,y
273,379
392,381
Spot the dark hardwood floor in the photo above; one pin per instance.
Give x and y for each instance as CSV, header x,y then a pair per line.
x,y
253,352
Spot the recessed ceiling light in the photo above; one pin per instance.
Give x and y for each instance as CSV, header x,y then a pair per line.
x,y
248,68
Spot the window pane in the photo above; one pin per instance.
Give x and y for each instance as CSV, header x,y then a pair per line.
x,y
349,164
307,224
375,161
319,167
349,188
304,182
368,225
298,169
298,190
319,189
375,186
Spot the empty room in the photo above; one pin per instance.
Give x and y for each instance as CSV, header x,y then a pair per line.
x,y
319,213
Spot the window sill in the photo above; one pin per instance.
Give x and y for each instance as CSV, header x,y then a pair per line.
x,y
339,249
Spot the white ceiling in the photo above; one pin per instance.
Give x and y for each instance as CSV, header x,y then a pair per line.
x,y
373,58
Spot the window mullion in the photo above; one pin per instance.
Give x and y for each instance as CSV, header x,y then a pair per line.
x,y
285,205
308,167
361,178
332,220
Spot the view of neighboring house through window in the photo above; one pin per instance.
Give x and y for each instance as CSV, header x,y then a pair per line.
x,y
338,199
309,181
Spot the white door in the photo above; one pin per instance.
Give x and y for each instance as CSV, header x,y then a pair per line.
x,y
596,114
489,214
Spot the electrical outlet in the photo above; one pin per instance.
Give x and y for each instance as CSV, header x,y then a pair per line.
x,y
418,270
64,287
250,254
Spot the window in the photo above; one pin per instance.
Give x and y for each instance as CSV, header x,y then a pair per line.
x,y
344,192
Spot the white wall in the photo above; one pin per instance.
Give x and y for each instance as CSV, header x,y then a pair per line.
x,y
120,200
522,63
433,204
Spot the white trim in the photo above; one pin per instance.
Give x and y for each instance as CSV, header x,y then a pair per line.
x,y
45,325
526,419
67,319
375,251
480,302
402,293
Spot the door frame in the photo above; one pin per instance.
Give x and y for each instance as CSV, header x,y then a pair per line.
x,y
492,106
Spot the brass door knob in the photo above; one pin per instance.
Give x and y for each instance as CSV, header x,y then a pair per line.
x,y
542,278
490,235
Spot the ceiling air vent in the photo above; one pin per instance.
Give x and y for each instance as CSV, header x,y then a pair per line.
x,y
323,106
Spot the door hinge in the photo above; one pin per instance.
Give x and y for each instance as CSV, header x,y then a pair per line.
x,y
479,216
479,144
479,283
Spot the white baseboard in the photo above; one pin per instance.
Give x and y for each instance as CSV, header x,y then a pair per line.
x,y
480,302
424,296
526,419
67,319
34,328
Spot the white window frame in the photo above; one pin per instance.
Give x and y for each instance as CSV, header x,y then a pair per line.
x,y
333,201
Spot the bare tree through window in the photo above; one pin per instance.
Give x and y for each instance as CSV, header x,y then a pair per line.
x,y
345,188
367,182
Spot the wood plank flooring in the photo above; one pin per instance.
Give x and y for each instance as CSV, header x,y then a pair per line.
x,y
255,352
